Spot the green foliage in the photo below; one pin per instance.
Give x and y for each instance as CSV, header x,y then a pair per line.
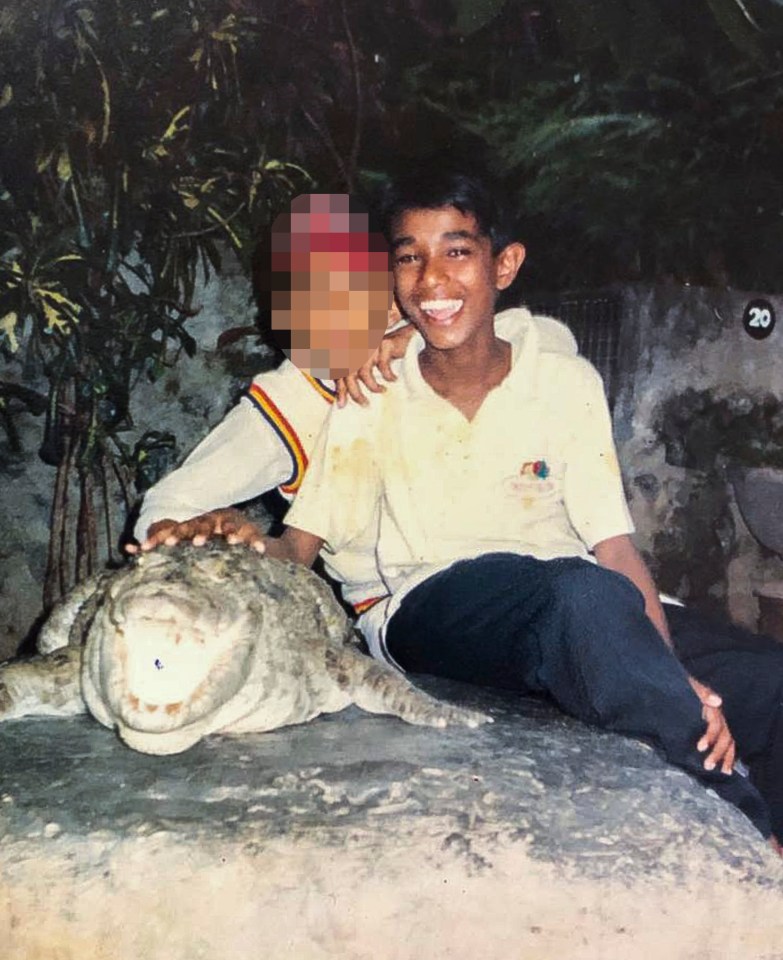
x,y
636,165
129,160
637,138
139,141
120,179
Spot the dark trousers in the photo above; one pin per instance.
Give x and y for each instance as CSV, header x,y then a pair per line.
x,y
746,669
573,630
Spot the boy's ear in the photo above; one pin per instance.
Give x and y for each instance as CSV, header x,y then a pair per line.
x,y
507,264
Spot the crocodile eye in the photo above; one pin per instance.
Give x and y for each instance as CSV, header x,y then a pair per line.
x,y
158,665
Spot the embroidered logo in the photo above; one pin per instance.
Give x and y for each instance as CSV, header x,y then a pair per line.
x,y
531,483
538,468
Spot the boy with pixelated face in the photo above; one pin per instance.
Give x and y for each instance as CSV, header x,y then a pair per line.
x,y
328,283
330,291
330,286
503,533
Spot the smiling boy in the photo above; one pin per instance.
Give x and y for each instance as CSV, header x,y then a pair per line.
x,y
329,289
503,532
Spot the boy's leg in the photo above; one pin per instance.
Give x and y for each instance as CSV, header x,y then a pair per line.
x,y
464,623
746,669
570,628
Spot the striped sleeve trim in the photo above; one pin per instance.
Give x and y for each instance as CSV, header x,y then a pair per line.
x,y
328,393
364,605
288,436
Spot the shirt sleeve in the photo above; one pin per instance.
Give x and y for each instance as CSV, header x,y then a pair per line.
x,y
341,489
594,495
241,458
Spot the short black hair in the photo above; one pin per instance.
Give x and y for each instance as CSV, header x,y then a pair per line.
x,y
435,185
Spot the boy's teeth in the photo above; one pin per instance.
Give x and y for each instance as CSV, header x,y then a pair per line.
x,y
441,309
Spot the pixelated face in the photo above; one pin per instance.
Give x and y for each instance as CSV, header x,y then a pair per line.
x,y
331,285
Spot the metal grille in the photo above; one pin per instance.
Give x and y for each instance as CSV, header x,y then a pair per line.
x,y
595,322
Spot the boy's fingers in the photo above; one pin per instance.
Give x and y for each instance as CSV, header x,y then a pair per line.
x,y
384,365
714,727
180,531
228,526
342,392
156,539
247,534
718,748
157,534
367,376
229,523
707,696
235,536
731,756
170,532
718,740
722,752
200,529
355,391
197,530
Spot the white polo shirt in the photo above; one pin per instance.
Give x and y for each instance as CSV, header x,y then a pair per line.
x,y
264,443
534,473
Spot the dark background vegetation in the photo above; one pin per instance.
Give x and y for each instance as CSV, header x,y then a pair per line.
x,y
636,139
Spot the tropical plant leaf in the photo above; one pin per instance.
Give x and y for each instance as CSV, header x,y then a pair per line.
x,y
737,22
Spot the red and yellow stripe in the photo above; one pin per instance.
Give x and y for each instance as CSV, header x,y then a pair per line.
x,y
319,386
289,437
285,431
364,605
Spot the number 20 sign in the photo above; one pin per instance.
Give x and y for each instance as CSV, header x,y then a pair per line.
x,y
758,319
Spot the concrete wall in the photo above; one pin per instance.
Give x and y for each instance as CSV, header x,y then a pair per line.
x,y
697,393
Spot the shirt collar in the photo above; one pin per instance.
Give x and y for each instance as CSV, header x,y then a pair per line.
x,y
525,349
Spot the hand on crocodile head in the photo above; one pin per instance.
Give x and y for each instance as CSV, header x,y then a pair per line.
x,y
229,523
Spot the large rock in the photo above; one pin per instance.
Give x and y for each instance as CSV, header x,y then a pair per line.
x,y
356,837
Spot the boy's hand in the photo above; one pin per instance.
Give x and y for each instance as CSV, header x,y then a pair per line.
x,y
229,523
392,347
717,738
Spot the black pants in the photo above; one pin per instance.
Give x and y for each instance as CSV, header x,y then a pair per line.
x,y
746,669
573,630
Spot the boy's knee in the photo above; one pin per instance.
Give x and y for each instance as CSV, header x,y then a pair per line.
x,y
588,587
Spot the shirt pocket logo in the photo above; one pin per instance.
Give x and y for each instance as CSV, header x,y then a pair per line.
x,y
533,483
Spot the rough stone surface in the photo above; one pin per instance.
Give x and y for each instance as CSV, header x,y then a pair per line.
x,y
697,394
357,837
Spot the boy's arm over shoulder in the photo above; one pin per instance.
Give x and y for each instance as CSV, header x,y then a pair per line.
x,y
338,496
392,348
